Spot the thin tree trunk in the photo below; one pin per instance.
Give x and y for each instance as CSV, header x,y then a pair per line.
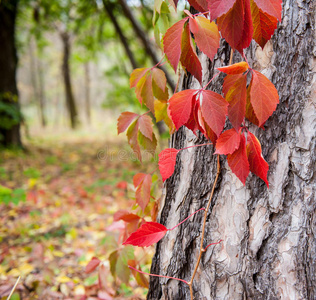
x,y
41,92
70,100
87,92
269,235
108,6
9,125
139,31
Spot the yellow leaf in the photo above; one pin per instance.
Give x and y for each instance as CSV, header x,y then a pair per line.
x,y
79,290
63,279
58,253
14,272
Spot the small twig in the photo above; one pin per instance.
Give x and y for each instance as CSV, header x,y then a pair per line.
x,y
14,287
186,218
203,228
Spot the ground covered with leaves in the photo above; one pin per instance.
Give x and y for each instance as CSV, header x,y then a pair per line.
x,y
57,205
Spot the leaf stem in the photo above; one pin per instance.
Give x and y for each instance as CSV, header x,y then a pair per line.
x,y
203,227
231,56
204,250
206,144
159,275
187,218
158,62
203,88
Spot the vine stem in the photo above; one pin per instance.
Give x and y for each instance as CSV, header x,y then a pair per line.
x,y
158,62
206,144
156,275
203,227
186,218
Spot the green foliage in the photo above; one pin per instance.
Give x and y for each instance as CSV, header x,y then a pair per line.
x,y
11,196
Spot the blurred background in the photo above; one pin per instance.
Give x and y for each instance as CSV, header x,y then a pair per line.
x,y
64,172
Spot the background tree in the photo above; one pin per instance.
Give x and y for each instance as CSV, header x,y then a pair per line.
x,y
269,243
10,116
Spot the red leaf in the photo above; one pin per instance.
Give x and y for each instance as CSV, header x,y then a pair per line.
x,y
214,110
188,57
234,69
143,192
228,142
174,3
126,216
231,24
136,75
263,24
237,97
206,36
167,162
180,107
229,81
238,161
147,95
125,119
172,43
148,234
146,126
250,114
160,78
271,7
257,163
247,28
132,134
92,265
199,5
263,96
138,178
219,7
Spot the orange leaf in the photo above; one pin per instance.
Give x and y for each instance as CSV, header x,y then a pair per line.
x,y
132,134
147,94
188,57
206,36
229,81
263,96
234,69
263,24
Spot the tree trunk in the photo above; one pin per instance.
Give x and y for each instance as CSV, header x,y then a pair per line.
x,y
108,6
141,34
269,235
87,91
10,115
70,100
41,92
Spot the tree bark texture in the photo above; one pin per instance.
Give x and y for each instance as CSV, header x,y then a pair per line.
x,y
70,100
8,64
269,235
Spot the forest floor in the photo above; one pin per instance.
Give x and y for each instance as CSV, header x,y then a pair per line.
x,y
64,195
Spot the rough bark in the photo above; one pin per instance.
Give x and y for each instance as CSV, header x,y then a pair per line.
x,y
70,100
269,235
10,135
